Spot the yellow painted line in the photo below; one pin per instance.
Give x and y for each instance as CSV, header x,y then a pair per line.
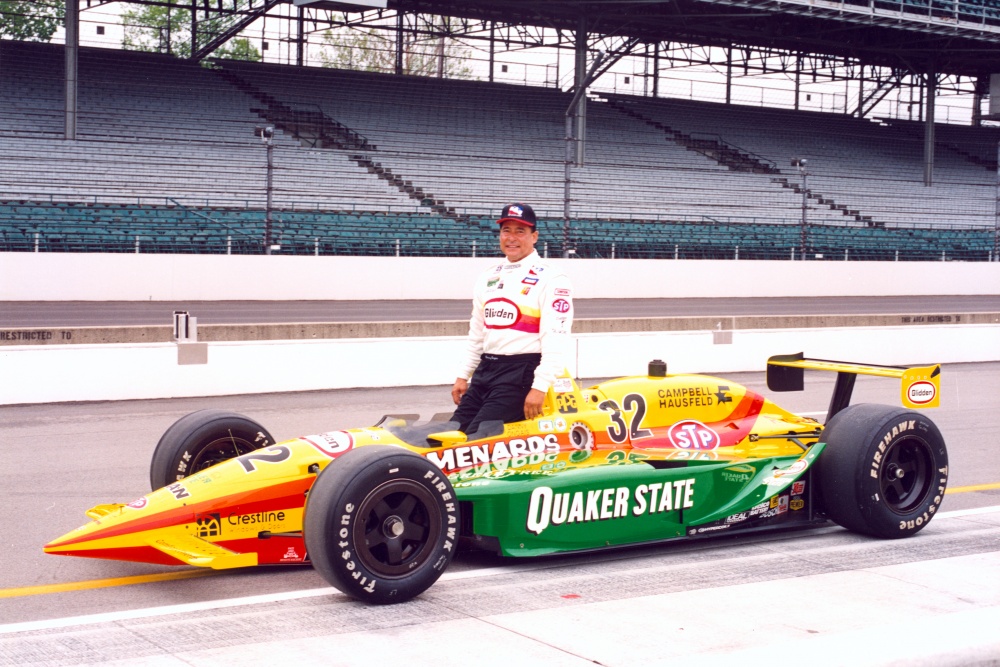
x,y
101,583
974,487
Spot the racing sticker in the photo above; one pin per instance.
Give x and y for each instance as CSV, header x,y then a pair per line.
x,y
208,525
333,443
692,434
561,306
548,507
921,387
501,313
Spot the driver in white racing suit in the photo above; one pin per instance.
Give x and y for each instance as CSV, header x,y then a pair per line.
x,y
519,333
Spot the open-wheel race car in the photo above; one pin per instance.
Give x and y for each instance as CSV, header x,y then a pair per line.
x,y
380,511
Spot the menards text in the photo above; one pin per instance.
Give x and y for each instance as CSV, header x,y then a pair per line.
x,y
470,455
547,507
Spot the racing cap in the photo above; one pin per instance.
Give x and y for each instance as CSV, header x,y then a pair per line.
x,y
518,213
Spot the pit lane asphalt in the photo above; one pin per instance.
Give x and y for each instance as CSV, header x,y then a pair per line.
x,y
822,595
135,313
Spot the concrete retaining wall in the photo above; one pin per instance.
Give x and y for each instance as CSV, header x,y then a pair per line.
x,y
54,373
124,277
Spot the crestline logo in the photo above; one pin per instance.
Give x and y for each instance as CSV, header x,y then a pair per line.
x,y
463,457
501,313
209,525
549,508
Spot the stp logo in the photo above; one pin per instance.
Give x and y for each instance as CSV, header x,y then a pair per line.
x,y
560,306
691,434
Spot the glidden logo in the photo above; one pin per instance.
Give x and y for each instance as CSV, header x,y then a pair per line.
x,y
921,392
500,313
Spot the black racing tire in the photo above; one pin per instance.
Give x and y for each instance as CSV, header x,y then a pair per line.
x,y
381,524
202,439
883,472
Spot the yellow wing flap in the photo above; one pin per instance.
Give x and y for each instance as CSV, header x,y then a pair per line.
x,y
101,511
202,553
920,385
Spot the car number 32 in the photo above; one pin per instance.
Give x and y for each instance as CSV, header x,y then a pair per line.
x,y
619,431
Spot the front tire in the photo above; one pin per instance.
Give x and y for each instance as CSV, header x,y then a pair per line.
x,y
381,524
884,470
202,439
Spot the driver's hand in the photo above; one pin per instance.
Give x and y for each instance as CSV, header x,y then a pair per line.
x,y
458,389
533,404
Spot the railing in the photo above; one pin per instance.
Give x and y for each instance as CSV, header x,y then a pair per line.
x,y
171,230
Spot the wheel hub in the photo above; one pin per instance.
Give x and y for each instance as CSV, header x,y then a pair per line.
x,y
393,526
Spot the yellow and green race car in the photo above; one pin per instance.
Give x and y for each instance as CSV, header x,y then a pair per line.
x,y
380,511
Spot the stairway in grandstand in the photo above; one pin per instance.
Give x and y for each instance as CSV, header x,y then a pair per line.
x,y
315,129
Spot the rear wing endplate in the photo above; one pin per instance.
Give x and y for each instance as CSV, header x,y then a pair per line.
x,y
920,386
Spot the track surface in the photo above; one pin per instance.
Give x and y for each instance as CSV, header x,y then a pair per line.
x,y
132,313
824,595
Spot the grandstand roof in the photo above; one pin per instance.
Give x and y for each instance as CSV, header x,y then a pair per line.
x,y
943,36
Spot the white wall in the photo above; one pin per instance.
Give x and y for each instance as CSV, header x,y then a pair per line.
x,y
131,277
50,373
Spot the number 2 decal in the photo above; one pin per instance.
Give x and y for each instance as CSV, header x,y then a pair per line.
x,y
275,454
619,431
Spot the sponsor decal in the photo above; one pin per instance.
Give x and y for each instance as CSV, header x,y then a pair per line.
x,y
791,471
562,385
560,424
546,425
492,282
559,291
722,396
707,529
530,280
798,488
471,455
797,504
525,291
691,434
292,556
208,525
333,443
501,313
736,477
255,518
138,503
689,397
548,508
921,392
561,306
738,518
179,491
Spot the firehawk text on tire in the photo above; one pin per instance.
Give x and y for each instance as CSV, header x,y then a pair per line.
x,y
201,440
884,470
381,524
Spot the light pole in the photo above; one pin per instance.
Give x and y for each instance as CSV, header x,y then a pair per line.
x,y
266,135
801,164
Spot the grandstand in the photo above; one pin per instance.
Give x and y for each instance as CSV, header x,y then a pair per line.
x,y
167,159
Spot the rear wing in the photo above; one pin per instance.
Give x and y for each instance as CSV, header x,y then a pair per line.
x,y
920,386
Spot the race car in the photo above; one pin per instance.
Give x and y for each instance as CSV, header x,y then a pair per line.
x,y
380,511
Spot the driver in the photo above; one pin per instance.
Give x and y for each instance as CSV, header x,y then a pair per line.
x,y
519,333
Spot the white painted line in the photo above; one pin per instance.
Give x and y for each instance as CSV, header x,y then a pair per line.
x,y
151,612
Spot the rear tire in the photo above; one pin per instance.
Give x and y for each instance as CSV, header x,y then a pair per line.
x,y
884,470
381,524
202,439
